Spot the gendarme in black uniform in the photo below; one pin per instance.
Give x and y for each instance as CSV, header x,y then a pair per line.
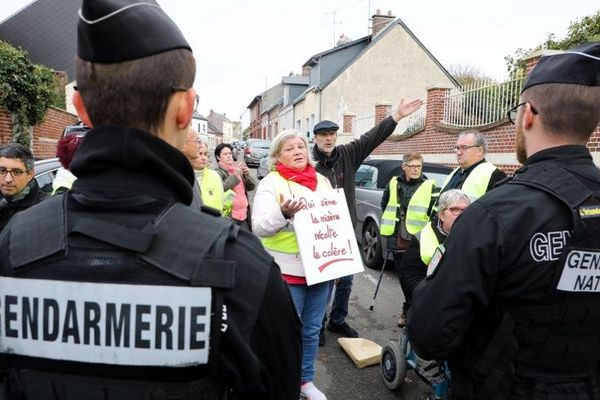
x,y
110,238
514,305
120,290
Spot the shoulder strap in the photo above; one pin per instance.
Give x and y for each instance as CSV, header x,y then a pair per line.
x,y
42,225
554,180
179,243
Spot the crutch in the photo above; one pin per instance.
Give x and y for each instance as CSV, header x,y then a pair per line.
x,y
387,253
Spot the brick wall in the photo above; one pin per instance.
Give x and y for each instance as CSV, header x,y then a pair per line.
x,y
45,135
5,127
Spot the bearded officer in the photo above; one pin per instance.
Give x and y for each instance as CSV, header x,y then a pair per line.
x,y
117,290
514,303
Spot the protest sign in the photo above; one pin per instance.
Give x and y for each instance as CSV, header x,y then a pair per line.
x,y
325,237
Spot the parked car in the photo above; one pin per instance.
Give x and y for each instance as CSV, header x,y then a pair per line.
x,y
371,179
263,167
45,172
75,130
255,150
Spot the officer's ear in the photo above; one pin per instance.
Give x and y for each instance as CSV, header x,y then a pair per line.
x,y
80,107
528,116
184,103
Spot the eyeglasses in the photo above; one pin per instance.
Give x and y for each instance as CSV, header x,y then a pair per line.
x,y
194,141
415,166
456,210
512,113
15,172
464,148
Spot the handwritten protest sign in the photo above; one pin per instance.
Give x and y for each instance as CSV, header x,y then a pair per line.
x,y
325,236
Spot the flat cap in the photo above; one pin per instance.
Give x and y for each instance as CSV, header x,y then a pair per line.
x,y
112,31
577,66
325,126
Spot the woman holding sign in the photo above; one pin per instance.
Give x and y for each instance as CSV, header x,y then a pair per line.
x,y
277,200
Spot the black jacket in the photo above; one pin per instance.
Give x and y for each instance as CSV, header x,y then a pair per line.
x,y
340,168
9,207
502,251
129,177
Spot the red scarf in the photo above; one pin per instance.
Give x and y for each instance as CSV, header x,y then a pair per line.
x,y
307,177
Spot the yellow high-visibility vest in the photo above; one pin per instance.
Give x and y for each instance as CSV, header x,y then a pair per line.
x,y
285,241
419,204
211,189
428,242
389,216
475,185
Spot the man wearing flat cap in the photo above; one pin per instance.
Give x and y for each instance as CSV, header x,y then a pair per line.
x,y
117,289
514,302
339,164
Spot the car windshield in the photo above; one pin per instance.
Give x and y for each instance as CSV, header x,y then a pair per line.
x,y
259,144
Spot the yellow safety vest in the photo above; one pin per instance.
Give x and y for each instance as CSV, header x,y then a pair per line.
x,y
390,216
211,189
418,206
475,185
285,241
228,202
428,242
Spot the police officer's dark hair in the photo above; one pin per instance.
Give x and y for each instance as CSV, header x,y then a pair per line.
x,y
134,93
16,150
480,139
220,148
565,109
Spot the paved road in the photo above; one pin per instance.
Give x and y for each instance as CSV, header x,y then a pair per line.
x,y
337,376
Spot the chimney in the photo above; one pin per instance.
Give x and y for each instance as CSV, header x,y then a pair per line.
x,y
381,21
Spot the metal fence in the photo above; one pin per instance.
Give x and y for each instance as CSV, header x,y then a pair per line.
x,y
481,103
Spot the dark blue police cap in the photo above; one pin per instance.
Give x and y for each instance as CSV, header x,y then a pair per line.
x,y
112,31
577,66
325,126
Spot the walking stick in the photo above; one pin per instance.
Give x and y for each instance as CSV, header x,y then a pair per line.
x,y
387,252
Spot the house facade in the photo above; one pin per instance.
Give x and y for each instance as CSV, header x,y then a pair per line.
x,y
352,78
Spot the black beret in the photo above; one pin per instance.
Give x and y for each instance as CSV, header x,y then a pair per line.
x,y
578,66
325,126
112,31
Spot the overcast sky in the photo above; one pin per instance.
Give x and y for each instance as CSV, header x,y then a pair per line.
x,y
242,47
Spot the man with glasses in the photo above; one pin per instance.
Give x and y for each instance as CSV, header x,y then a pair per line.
x,y
118,289
514,302
474,175
18,189
394,202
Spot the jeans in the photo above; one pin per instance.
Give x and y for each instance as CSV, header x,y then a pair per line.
x,y
310,302
339,308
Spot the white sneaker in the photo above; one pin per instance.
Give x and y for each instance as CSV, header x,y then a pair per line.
x,y
310,392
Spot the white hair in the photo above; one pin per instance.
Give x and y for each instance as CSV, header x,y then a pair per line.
x,y
279,141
